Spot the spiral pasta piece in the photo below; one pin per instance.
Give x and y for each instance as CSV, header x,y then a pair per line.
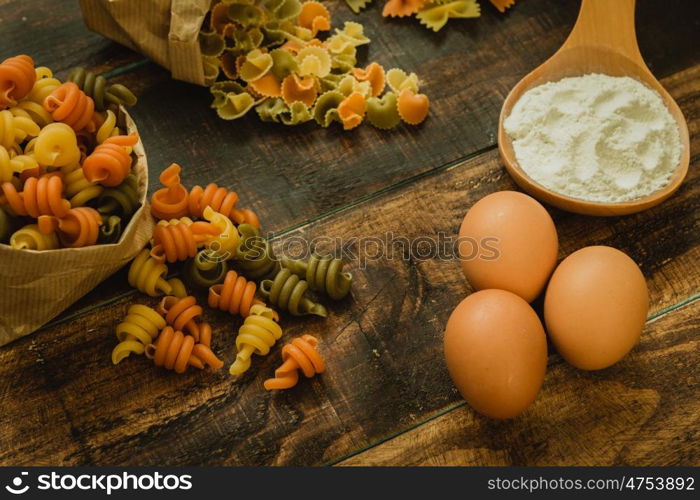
x,y
11,164
106,126
175,242
324,274
78,189
202,272
55,146
32,111
30,238
174,350
224,244
80,227
42,196
17,77
68,104
181,313
288,292
139,328
110,230
236,295
220,200
110,162
254,256
96,86
257,335
148,275
172,200
122,200
299,354
16,129
44,85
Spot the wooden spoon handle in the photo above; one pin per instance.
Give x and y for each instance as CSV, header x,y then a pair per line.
x,y
607,24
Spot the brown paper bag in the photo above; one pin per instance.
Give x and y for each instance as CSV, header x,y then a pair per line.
x,y
165,31
36,286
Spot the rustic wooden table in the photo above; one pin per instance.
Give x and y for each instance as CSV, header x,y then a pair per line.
x,y
386,398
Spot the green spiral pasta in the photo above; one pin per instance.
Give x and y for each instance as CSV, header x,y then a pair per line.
x,y
324,274
110,230
122,200
287,291
102,93
200,272
254,257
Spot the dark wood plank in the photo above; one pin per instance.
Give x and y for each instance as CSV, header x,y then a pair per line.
x,y
54,34
642,411
382,346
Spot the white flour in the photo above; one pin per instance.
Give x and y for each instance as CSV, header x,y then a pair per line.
x,y
595,137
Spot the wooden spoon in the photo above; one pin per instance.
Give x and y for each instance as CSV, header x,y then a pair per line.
x,y
602,41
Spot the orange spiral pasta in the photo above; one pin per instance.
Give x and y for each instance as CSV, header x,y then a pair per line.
x,y
17,77
110,162
220,200
175,242
68,104
174,350
80,227
235,295
42,196
181,313
171,201
299,354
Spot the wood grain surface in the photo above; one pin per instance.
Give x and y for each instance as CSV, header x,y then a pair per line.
x,y
386,397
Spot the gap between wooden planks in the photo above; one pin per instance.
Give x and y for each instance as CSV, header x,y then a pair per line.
x,y
383,347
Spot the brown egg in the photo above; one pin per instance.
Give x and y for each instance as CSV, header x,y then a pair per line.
x,y
595,307
496,352
508,241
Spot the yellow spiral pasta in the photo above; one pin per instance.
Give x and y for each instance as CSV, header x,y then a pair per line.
x,y
223,246
11,163
108,128
16,129
56,146
148,275
32,111
30,238
44,85
77,188
257,335
140,327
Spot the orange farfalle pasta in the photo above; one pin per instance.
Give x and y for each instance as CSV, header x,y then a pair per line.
x,y
70,105
413,108
374,74
502,5
352,110
315,17
219,17
220,200
176,242
176,351
299,354
110,162
402,8
267,86
171,201
299,89
39,196
236,295
80,227
17,77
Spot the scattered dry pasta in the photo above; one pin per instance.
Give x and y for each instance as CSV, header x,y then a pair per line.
x,y
282,58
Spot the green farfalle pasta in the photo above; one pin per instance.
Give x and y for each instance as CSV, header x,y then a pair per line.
x,y
283,63
276,110
211,43
202,271
382,112
283,9
326,108
231,100
287,291
245,15
324,275
435,15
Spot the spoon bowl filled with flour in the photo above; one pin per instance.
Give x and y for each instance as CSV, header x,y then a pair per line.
x,y
591,130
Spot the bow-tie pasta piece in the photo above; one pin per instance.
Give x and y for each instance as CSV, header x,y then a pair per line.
x,y
315,17
352,110
231,100
266,86
413,108
374,74
357,5
502,5
402,8
383,112
299,89
211,43
314,61
434,16
326,109
398,80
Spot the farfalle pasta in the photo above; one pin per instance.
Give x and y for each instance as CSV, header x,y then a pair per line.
x,y
281,58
